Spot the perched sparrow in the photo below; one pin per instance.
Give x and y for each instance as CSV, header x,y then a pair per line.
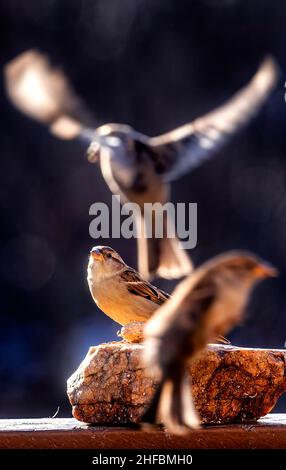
x,y
121,293
135,166
118,290
208,303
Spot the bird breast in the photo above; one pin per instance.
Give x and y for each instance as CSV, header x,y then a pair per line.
x,y
227,310
114,299
139,183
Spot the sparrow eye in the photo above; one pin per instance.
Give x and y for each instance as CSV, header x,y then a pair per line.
x,y
108,255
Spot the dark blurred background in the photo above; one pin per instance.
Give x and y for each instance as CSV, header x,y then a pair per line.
x,y
154,65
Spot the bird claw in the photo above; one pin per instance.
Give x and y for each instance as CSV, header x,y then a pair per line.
x,y
132,332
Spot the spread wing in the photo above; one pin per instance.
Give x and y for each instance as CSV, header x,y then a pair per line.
x,y
188,146
137,286
42,91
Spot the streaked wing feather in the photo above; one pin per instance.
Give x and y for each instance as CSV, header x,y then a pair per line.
x,y
188,146
137,286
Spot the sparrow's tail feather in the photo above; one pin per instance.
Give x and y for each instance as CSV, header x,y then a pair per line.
x,y
173,260
176,407
162,257
173,405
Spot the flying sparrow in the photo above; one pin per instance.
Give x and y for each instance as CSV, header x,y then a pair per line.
x,y
208,303
118,290
135,166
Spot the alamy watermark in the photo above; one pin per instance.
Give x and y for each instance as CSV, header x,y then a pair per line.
x,y
154,220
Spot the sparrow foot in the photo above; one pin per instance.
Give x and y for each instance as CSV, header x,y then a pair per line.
x,y
132,332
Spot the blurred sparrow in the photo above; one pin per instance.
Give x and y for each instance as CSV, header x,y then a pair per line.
x,y
135,166
118,290
207,304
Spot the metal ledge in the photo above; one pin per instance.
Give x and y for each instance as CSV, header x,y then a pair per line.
x,y
67,433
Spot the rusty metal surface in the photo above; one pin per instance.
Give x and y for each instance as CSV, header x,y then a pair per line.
x,y
269,432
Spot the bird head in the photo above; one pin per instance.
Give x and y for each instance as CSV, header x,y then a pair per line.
x,y
104,261
243,268
110,137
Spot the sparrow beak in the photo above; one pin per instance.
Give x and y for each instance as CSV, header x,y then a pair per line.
x,y
265,270
96,254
